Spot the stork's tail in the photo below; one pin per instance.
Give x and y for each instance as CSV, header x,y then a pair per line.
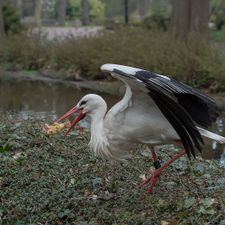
x,y
211,135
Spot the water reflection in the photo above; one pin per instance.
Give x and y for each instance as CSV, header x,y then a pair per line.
x,y
52,100
217,147
42,99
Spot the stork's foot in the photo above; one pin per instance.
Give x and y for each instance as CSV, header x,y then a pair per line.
x,y
153,179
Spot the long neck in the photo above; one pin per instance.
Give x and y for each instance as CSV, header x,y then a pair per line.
x,y
99,141
97,129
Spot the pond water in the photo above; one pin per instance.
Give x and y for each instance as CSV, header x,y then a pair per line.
x,y
42,99
54,99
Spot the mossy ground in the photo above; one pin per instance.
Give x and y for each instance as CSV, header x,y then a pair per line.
x,y
52,180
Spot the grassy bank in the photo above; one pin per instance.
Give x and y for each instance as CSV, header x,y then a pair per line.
x,y
194,61
52,180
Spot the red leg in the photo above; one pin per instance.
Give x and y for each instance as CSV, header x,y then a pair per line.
x,y
154,156
156,160
154,178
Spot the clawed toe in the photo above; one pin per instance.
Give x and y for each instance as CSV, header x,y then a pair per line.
x,y
152,180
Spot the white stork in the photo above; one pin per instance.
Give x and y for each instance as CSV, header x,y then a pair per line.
x,y
155,110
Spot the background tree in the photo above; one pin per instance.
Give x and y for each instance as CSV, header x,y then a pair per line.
x,y
11,18
73,9
37,12
142,5
85,17
126,12
190,16
97,10
217,12
19,4
2,29
61,12
28,8
113,8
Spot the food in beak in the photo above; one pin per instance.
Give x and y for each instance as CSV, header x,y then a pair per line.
x,y
80,117
69,113
56,127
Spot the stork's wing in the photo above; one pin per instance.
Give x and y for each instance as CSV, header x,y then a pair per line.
x,y
181,104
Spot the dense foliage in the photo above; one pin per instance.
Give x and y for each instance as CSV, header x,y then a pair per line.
x,y
194,61
217,12
52,180
11,19
156,22
97,9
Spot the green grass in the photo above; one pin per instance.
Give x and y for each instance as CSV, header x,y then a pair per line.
x,y
52,180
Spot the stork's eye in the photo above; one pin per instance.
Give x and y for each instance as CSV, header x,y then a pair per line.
x,y
83,103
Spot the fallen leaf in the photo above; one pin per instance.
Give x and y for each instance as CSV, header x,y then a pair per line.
x,y
64,213
142,177
163,222
207,202
72,181
189,202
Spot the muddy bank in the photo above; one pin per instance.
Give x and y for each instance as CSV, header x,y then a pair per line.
x,y
109,87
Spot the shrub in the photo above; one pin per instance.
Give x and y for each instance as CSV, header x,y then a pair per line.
x,y
218,35
28,51
11,19
156,22
195,61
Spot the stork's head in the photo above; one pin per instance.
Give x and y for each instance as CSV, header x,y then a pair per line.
x,y
90,105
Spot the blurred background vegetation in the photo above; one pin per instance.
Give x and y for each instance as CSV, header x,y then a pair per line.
x,y
184,39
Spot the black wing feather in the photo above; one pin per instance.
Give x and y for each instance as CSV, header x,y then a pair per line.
x,y
185,138
202,109
180,120
180,104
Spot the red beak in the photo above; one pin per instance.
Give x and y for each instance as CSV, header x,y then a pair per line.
x,y
69,113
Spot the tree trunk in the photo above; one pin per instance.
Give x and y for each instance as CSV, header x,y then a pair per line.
x,y
85,12
37,12
199,17
190,16
126,12
142,8
61,12
180,18
2,28
19,5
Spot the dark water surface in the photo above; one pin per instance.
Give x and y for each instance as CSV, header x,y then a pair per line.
x,y
52,100
41,99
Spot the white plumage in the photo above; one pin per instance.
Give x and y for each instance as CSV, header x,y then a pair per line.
x,y
155,110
